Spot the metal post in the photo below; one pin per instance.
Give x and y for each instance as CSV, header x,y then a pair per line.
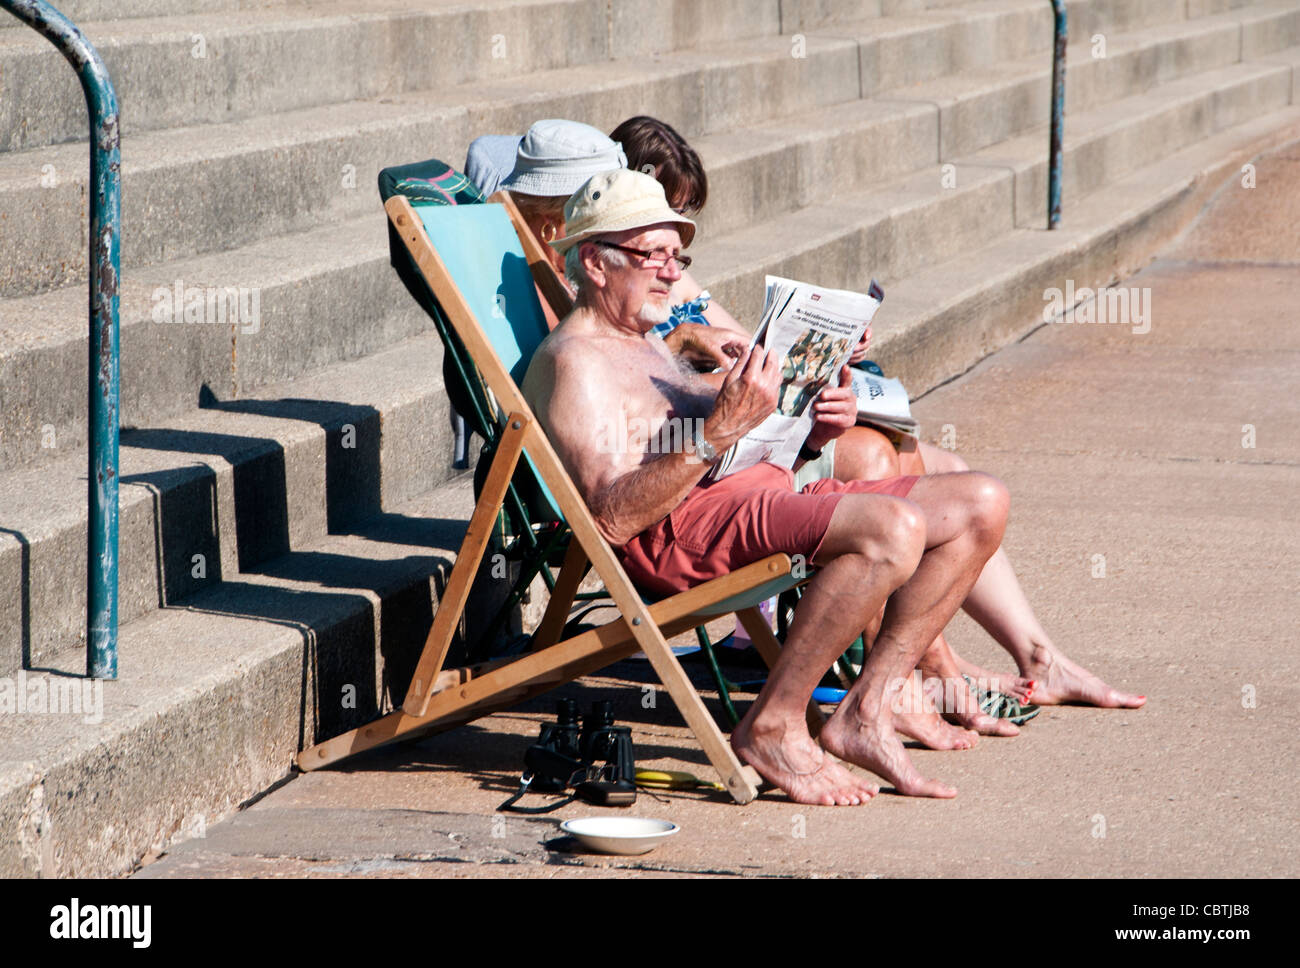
x,y
105,239
1058,116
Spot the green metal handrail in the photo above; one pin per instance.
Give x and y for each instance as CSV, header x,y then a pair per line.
x,y
1058,116
105,264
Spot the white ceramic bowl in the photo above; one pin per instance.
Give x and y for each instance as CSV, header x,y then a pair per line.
x,y
620,835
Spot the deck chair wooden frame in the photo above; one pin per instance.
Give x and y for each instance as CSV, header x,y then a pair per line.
x,y
439,698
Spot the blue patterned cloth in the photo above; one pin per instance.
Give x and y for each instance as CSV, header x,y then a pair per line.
x,y
687,312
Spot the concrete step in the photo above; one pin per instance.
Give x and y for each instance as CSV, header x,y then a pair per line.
x,y
757,175
1083,17
764,171
302,168
852,236
88,11
315,165
1105,144
333,298
1269,29
1288,58
338,275
237,483
223,66
337,282
808,15
890,232
910,48
928,44
940,321
215,696
1205,8
987,105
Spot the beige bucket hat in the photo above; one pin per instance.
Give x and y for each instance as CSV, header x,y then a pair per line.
x,y
615,201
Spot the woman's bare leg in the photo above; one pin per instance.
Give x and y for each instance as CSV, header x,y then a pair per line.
x,y
862,453
998,604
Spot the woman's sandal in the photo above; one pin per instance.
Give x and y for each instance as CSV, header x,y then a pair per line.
x,y
1001,706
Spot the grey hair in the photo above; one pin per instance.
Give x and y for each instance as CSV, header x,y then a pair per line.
x,y
576,273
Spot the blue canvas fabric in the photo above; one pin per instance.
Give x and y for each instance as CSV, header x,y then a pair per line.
x,y
493,277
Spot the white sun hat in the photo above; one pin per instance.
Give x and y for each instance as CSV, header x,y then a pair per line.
x,y
615,202
557,156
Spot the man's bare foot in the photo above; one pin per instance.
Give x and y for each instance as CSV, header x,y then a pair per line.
x,y
792,761
877,749
916,717
965,711
1058,681
932,732
1017,687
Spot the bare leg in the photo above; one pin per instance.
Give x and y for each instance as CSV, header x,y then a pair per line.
x,y
959,704
1017,687
917,717
998,603
872,546
862,453
964,516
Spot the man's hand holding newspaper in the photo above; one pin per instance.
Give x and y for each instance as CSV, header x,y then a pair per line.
x,y
812,331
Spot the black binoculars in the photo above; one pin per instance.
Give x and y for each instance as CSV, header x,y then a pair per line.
x,y
594,756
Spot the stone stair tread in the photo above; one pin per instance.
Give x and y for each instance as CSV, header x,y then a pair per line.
x,y
39,499
916,307
239,483
1027,150
90,11
976,81
59,316
154,149
842,209
214,690
177,27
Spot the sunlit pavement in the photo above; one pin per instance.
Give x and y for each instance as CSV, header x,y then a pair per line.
x,y
1154,478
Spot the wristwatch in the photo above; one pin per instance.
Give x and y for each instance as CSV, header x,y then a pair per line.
x,y
807,453
702,449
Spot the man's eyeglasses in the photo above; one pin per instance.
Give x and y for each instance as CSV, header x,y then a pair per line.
x,y
651,260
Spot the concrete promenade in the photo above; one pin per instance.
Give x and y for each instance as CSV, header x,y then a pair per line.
x,y
1154,479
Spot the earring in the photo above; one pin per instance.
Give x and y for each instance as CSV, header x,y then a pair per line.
x,y
549,227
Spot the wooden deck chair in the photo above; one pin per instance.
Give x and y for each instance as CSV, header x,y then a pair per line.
x,y
560,302
474,263
526,532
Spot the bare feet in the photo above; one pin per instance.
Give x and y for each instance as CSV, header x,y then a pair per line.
x,y
788,758
1017,687
965,711
1058,680
916,716
861,739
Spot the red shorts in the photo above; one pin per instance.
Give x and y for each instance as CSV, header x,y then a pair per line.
x,y
746,516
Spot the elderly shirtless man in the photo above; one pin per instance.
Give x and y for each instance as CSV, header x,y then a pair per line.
x,y
597,375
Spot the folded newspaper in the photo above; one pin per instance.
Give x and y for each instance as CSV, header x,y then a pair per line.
x,y
882,402
814,329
